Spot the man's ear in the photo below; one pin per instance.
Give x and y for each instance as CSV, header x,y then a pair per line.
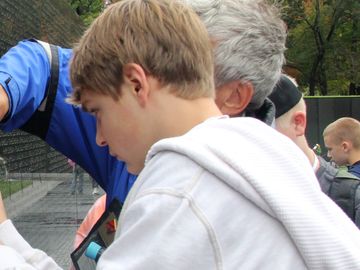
x,y
238,97
299,122
137,82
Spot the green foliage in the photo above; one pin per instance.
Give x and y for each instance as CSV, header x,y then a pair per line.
x,y
338,87
88,10
324,43
301,49
293,12
11,187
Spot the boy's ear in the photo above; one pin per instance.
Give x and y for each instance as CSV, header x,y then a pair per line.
x,y
237,97
137,82
346,145
299,122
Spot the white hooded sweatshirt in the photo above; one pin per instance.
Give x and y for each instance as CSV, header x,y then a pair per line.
x,y
230,194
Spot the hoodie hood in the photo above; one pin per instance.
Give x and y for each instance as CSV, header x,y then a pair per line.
x,y
235,147
270,170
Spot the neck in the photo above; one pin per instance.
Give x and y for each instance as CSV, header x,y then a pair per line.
x,y
354,156
304,146
176,116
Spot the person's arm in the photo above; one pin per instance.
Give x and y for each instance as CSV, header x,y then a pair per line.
x,y
3,215
15,252
158,232
24,75
4,103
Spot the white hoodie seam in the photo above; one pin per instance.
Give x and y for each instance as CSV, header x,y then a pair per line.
x,y
197,212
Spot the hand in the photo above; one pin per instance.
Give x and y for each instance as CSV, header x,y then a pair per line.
x,y
4,103
3,215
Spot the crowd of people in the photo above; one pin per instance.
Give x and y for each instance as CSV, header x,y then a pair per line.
x,y
179,110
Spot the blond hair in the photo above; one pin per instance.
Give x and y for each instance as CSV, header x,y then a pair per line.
x,y
166,38
344,129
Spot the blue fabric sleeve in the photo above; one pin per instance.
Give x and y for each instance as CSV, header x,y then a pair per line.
x,y
24,73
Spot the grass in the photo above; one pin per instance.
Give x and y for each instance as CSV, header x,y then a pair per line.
x,y
11,187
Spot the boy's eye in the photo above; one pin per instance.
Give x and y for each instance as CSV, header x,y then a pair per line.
x,y
93,111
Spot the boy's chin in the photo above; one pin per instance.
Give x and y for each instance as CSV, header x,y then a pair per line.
x,y
133,169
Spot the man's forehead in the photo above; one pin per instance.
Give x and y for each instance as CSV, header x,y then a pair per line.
x,y
327,138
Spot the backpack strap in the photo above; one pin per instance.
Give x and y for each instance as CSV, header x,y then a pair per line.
x,y
343,192
39,122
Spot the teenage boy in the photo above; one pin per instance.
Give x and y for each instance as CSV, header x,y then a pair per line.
x,y
247,67
144,70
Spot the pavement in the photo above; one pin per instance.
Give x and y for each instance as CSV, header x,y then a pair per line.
x,y
47,215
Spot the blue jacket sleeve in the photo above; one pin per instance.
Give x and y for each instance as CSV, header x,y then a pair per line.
x,y
24,73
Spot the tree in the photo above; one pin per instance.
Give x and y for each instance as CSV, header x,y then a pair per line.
x,y
314,27
323,35
354,86
88,10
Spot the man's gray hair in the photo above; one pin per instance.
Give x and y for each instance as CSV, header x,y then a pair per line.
x,y
249,38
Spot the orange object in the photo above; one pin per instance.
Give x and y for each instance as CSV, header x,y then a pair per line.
x,y
89,221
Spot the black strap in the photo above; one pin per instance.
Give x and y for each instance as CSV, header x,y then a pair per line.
x,y
39,122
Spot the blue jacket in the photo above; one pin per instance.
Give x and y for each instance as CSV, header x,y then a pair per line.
x,y
355,169
24,74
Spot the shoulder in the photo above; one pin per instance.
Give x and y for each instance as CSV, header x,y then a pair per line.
x,y
166,169
325,174
29,44
326,169
26,49
344,174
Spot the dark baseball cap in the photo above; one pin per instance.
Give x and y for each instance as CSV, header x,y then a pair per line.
x,y
285,95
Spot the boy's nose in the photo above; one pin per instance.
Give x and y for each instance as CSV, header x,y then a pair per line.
x,y
100,141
